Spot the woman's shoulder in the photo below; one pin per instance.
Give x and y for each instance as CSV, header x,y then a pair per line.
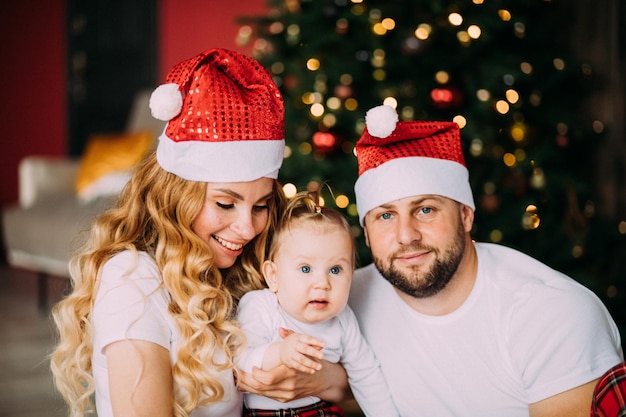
x,y
131,262
134,267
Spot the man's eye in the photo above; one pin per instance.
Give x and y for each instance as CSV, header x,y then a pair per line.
x,y
426,210
385,216
335,270
224,206
305,269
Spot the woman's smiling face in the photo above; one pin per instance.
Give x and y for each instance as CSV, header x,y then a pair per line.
x,y
233,214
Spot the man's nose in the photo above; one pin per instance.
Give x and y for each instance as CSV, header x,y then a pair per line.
x,y
407,230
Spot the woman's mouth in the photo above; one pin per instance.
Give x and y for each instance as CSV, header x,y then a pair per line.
x,y
227,244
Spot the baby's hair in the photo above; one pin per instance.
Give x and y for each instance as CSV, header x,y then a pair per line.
x,y
303,208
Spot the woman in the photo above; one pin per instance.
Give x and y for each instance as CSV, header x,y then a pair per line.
x,y
149,326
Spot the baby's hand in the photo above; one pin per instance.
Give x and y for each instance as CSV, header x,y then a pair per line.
x,y
299,352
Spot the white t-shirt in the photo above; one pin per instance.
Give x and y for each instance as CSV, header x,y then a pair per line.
x,y
261,316
131,303
525,333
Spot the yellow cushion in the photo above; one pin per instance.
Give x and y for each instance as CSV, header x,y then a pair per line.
x,y
108,160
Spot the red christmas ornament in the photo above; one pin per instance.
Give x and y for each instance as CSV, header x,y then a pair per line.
x,y
290,82
490,203
343,91
325,142
446,98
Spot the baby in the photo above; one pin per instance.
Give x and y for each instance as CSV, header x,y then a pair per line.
x,y
309,273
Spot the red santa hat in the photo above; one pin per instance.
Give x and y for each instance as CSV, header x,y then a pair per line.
x,y
404,159
225,119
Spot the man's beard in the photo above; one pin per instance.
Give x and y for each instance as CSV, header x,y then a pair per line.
x,y
422,284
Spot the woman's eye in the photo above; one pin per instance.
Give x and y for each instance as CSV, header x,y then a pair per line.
x,y
385,216
426,210
260,208
305,269
335,270
224,206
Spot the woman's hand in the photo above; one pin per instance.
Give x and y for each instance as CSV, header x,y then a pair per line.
x,y
284,384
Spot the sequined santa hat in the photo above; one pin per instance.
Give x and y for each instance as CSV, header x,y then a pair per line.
x,y
225,119
404,159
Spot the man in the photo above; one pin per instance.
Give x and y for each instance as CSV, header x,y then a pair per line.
x,y
460,328
463,328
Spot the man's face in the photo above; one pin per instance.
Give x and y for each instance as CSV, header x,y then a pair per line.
x,y
418,242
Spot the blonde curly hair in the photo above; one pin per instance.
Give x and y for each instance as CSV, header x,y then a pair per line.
x,y
154,214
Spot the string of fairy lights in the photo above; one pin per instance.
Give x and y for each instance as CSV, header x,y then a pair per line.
x,y
323,102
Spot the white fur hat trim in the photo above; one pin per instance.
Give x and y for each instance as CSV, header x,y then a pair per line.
x,y
412,176
228,161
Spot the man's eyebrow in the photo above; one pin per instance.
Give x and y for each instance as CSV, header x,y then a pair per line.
x,y
414,202
385,206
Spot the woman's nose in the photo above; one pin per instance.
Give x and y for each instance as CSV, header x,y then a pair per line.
x,y
244,226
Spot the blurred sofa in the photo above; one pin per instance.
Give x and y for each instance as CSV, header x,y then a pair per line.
x,y
59,197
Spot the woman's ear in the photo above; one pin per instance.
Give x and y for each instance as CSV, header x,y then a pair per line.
x,y
269,273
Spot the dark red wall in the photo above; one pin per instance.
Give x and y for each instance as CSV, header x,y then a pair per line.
x,y
32,92
33,117
191,26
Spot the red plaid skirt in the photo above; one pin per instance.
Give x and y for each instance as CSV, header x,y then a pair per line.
x,y
319,409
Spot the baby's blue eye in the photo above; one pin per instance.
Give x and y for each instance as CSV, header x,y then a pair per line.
x,y
335,270
305,269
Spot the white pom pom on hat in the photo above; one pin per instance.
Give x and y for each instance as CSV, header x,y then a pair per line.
x,y
166,102
381,121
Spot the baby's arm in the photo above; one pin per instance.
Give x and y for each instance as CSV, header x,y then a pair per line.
x,y
296,351
285,384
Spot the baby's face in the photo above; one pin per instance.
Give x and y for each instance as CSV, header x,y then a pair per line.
x,y
312,272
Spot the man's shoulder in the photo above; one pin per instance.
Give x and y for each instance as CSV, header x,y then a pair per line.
x,y
529,287
513,268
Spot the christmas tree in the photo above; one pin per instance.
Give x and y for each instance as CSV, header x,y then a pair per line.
x,y
502,70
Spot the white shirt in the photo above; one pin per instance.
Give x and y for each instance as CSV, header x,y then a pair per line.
x,y
131,303
525,333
